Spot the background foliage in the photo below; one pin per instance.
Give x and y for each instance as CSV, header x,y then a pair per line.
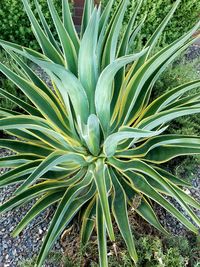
x,y
15,26
184,18
8,85
182,71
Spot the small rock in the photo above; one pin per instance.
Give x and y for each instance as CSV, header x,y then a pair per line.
x,y
40,231
187,191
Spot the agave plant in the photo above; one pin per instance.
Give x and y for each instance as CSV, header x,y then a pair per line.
x,y
93,144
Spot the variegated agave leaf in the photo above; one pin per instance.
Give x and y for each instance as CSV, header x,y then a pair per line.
x,y
95,143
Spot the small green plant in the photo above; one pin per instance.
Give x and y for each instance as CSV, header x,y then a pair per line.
x,y
94,144
152,252
55,258
27,263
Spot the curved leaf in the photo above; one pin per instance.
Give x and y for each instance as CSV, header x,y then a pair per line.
x,y
64,213
103,93
111,142
69,25
51,161
87,57
31,193
25,106
119,207
23,147
47,47
146,212
88,222
99,177
65,40
141,184
39,98
16,160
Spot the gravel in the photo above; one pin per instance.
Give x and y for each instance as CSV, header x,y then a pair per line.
x,y
24,247
193,52
171,223
27,244
41,74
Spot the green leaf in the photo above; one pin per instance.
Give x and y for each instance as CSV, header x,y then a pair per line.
x,y
144,168
16,160
136,30
144,73
47,47
103,23
87,13
46,27
45,105
142,207
124,44
31,193
188,101
165,153
91,134
123,47
145,95
24,135
111,142
48,139
23,147
68,84
140,183
158,141
99,177
38,82
103,93
6,113
69,25
87,57
110,47
119,207
170,177
88,222
146,212
51,161
156,35
65,212
19,49
169,97
25,106
165,116
65,40
33,123
186,198
24,169
101,235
